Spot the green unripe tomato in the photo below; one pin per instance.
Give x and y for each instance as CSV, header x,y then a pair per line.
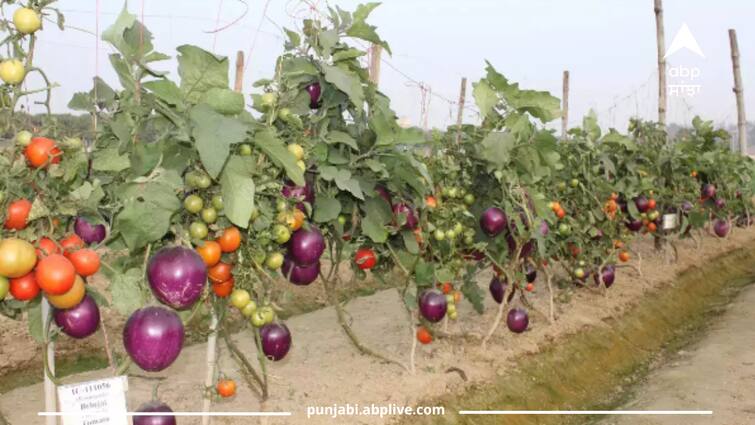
x,y
217,202
579,273
468,240
198,230
445,192
284,114
439,235
451,234
274,261
469,199
296,150
458,228
269,99
281,234
257,319
245,150
453,316
193,204
23,138
449,299
258,256
203,181
498,174
342,220
301,165
564,229
240,298
249,309
574,183
561,185
4,287
209,215
281,205
267,313
453,192
451,309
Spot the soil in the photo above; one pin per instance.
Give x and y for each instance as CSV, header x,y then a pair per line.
x,y
716,373
323,369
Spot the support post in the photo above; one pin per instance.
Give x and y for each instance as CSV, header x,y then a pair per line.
x,y
460,114
739,93
376,52
661,41
565,106
239,83
50,392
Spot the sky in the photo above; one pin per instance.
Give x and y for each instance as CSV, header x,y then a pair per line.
x,y
608,47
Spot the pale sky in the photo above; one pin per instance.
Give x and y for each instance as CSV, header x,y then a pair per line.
x,y
607,45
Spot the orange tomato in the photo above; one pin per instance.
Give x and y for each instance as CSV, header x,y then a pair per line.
x,y
530,287
652,227
210,252
47,246
71,243
18,213
693,173
457,296
55,274
223,289
651,204
41,152
424,336
431,202
70,299
230,239
86,261
555,206
560,213
624,256
618,244
226,388
614,196
447,288
220,272
24,288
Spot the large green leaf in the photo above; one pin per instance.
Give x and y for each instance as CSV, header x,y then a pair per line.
x,y
200,71
126,291
276,150
496,148
238,190
214,134
326,209
165,90
146,213
485,97
224,101
110,160
361,29
377,215
347,81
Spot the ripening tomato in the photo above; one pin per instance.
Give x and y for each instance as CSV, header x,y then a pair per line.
x,y
4,287
18,214
230,239
210,252
219,272
365,258
431,202
223,289
86,261
24,288
652,227
226,388
55,274
17,257
42,151
447,288
424,336
71,244
530,287
47,246
457,296
651,204
624,256
70,299
561,213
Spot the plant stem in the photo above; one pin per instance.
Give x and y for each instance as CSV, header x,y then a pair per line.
x,y
241,358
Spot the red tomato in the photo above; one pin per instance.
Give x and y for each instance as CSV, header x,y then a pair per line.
x,y
651,204
424,336
41,152
47,246
226,388
365,258
223,289
24,288
230,240
18,213
210,252
55,274
447,288
71,243
220,272
86,261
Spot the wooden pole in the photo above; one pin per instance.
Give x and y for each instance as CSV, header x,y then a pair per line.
x,y
565,107
460,114
239,84
661,40
739,92
50,396
376,52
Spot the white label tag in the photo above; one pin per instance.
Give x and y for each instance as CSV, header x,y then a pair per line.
x,y
95,402
670,221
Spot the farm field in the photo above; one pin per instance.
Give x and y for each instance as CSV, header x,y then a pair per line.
x,y
180,245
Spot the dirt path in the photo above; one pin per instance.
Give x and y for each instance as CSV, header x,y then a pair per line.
x,y
323,369
717,373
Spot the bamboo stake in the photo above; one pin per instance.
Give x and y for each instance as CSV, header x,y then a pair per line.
x,y
661,40
209,379
460,115
739,92
565,106
376,51
239,83
50,397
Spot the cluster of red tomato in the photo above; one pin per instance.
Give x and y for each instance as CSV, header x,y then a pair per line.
x,y
219,272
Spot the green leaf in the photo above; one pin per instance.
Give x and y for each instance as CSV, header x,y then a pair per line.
x,y
410,242
34,320
590,126
496,148
360,29
343,180
347,54
110,160
336,136
38,209
200,71
424,273
377,216
473,294
347,81
126,291
146,213
224,101
213,135
327,39
114,34
166,90
276,150
294,40
238,190
326,209
485,97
